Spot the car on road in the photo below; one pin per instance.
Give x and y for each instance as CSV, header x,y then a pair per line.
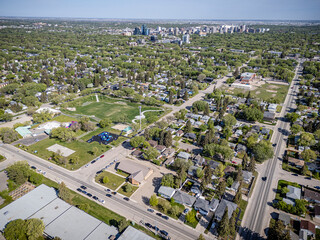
x,y
317,187
186,210
44,173
114,193
102,201
92,162
309,178
87,165
79,189
165,217
108,190
89,194
126,198
33,167
274,145
264,178
101,156
108,195
83,187
148,225
156,228
84,192
99,172
295,174
95,198
159,214
163,232
150,210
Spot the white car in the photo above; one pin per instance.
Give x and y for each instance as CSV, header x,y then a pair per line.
x,y
102,201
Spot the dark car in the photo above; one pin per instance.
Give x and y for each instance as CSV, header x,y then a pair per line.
x,y
89,194
126,198
295,174
274,145
95,197
33,167
163,232
79,189
264,178
108,195
156,228
317,187
84,192
309,178
99,172
159,214
148,225
150,210
92,162
165,217
83,187
114,193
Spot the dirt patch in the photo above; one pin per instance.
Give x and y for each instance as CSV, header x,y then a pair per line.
x,y
274,91
122,103
258,92
273,87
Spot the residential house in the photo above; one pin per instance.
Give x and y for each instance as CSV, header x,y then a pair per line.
x,y
295,162
222,207
235,185
202,206
272,108
192,136
214,204
241,148
153,143
168,152
228,170
265,131
179,133
184,155
213,164
311,166
307,230
192,171
166,192
317,212
161,148
247,176
294,193
198,160
285,218
311,196
184,198
269,116
137,153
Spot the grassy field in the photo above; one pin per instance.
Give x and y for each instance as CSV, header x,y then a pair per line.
x,y
64,118
108,107
2,158
83,151
127,194
114,180
264,92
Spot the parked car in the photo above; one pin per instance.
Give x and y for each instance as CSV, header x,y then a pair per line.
x,y
33,167
317,187
126,198
83,187
84,192
165,217
89,194
163,232
108,190
295,174
93,161
186,210
264,178
108,195
309,178
150,210
148,225
102,201
114,193
101,156
159,214
95,197
79,189
156,228
99,172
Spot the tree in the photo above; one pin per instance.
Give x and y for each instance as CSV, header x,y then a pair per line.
x,y
64,134
252,165
292,117
175,210
306,139
252,114
238,196
63,192
188,127
229,181
295,129
207,176
106,122
19,172
221,188
8,135
105,179
219,171
127,188
137,141
15,229
153,200
223,228
229,120
277,231
168,180
304,170
151,153
201,237
122,224
35,178
206,110
201,77
262,151
200,173
186,96
284,190
308,154
168,139
34,228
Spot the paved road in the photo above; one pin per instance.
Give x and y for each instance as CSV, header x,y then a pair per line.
x,y
257,215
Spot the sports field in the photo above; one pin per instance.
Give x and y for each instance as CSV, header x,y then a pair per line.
x,y
108,107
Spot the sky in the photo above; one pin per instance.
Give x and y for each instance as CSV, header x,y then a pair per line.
x,y
165,9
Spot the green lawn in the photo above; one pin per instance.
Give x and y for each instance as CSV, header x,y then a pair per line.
x,y
123,173
127,194
64,118
83,151
114,180
2,158
162,201
265,92
108,107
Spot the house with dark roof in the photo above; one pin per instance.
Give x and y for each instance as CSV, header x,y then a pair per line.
x,y
285,218
196,189
192,136
198,160
222,207
179,133
307,230
161,148
183,155
184,198
213,164
269,116
228,170
153,143
247,176
214,204
295,162
202,206
136,153
311,196
192,171
169,152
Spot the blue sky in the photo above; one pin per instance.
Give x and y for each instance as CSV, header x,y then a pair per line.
x,y
165,9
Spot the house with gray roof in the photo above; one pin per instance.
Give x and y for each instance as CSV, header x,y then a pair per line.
x,y
191,136
294,193
202,206
214,204
196,189
184,198
166,192
222,208
192,171
198,160
183,155
285,218
247,176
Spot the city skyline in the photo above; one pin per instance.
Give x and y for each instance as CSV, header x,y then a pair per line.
x,y
178,9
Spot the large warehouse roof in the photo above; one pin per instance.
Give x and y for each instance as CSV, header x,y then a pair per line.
x,y
60,218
